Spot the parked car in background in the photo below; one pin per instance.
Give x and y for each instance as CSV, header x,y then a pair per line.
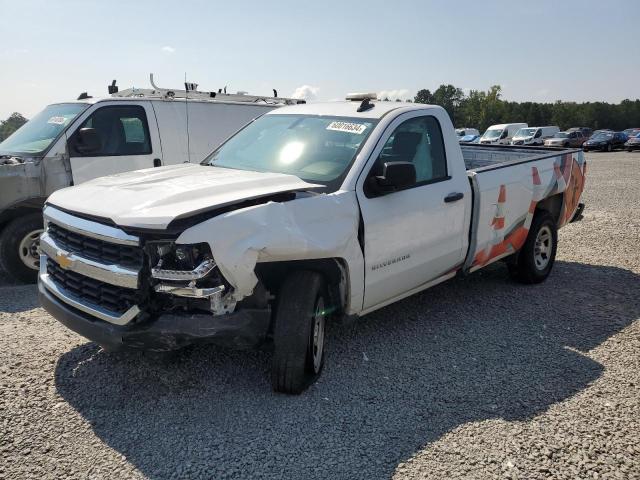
x,y
631,132
566,139
469,139
586,131
463,132
604,130
605,141
501,134
633,143
534,135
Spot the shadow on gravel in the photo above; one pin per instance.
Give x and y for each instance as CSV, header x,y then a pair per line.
x,y
17,298
469,350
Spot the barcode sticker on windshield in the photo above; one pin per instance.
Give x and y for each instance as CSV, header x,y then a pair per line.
x,y
57,120
358,128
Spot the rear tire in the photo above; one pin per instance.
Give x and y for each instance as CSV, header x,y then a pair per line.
x,y
299,332
535,260
19,247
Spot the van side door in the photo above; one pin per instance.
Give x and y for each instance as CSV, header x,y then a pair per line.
x,y
113,138
420,233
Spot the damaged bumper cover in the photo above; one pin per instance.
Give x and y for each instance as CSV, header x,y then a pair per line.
x,y
245,328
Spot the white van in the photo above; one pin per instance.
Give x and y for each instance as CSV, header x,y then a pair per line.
x,y
72,142
501,134
534,135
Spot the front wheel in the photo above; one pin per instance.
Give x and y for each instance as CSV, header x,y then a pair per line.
x,y
299,332
20,247
609,148
536,258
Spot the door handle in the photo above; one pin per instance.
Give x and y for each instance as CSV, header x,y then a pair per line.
x,y
454,197
157,162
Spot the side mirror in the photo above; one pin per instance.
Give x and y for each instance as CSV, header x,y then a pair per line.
x,y
88,141
395,176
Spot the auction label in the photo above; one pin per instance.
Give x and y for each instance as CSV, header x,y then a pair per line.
x,y
57,120
358,128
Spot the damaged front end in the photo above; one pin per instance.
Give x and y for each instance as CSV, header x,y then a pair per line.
x,y
121,290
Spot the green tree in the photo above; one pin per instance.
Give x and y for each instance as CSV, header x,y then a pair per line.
x,y
450,98
11,124
424,96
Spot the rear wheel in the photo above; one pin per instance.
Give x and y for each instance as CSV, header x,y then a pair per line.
x,y
535,260
20,247
299,332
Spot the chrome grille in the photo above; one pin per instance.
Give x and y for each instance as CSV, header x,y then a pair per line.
x,y
95,249
109,297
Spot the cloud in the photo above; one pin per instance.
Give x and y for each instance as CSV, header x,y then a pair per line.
x,y
306,92
401,93
168,49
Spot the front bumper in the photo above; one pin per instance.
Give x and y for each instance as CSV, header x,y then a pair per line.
x,y
245,328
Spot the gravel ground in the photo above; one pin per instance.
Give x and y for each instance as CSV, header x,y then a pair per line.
x,y
476,378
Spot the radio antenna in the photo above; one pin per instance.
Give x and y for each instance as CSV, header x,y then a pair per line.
x,y
186,106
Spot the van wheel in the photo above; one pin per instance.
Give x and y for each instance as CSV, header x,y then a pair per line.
x,y
299,332
20,247
537,256
609,147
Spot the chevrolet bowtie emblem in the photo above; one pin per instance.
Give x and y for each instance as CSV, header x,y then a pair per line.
x,y
63,260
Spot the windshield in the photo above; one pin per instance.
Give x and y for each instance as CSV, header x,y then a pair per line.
x,y
492,133
561,135
460,132
526,132
602,136
317,149
35,136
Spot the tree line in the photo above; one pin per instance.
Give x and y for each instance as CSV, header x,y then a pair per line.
x,y
11,124
481,109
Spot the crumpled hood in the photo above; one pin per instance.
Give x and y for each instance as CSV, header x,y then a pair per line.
x,y
152,198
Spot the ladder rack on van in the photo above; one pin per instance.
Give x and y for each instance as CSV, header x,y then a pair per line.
x,y
193,94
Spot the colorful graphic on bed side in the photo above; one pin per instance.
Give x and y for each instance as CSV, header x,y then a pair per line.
x,y
569,177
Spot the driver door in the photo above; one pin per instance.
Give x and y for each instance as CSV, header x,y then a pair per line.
x,y
418,234
126,142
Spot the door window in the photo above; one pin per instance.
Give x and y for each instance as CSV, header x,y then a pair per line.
x,y
122,130
418,140
538,134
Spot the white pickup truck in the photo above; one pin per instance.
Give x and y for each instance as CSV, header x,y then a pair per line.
x,y
309,213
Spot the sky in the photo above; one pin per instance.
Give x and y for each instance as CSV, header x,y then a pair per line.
x,y
547,50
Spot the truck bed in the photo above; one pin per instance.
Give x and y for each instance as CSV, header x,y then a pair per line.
x,y
508,183
477,157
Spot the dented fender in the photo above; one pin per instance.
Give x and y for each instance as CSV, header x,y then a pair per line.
x,y
314,227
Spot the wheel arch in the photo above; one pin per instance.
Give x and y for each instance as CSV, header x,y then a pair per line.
x,y
25,207
552,205
334,270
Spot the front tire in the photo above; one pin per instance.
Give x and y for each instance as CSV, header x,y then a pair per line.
x,y
299,332
609,147
19,247
535,260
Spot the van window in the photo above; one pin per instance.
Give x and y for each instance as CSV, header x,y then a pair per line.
x,y
418,140
538,134
123,130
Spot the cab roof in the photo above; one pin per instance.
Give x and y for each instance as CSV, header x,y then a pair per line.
x,y
350,109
